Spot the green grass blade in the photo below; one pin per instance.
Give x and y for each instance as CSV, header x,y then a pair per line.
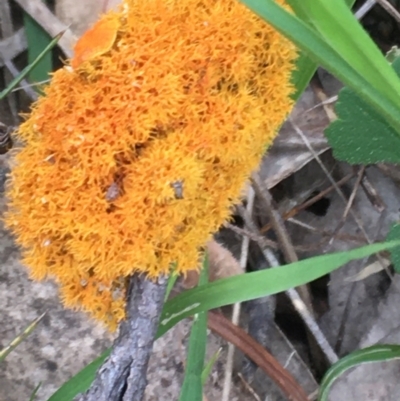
x,y
305,66
301,76
18,340
311,42
229,291
81,381
33,395
29,68
394,235
207,369
192,387
341,30
38,39
376,353
258,284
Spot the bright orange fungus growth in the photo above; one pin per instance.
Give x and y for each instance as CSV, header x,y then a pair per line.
x,y
135,156
96,41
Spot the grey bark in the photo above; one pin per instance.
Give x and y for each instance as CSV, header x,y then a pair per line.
x,y
122,377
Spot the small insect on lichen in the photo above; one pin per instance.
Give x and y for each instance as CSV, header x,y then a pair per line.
x,y
177,186
113,192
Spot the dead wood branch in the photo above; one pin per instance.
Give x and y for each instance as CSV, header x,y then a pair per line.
x,y
122,377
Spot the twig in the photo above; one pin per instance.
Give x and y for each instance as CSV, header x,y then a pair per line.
x,y
257,353
252,236
307,317
306,204
350,201
372,194
50,23
236,308
325,233
249,388
122,377
339,192
329,176
277,223
24,85
390,9
297,302
326,103
364,9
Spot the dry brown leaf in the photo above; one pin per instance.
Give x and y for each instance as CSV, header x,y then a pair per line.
x,y
221,264
369,270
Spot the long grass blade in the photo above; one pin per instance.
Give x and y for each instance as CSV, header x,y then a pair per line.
x,y
313,44
376,353
192,387
35,391
18,340
228,291
29,68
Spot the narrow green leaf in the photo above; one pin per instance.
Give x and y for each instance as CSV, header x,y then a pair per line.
x,y
229,291
258,284
81,381
171,282
301,76
29,68
207,369
323,54
18,340
37,39
341,30
36,389
305,66
394,235
192,387
376,353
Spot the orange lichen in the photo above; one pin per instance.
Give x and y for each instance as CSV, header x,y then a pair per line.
x,y
135,156
96,41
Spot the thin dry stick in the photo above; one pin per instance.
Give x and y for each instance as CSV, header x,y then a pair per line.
x,y
329,176
246,233
279,227
258,354
24,85
307,317
372,194
50,23
364,9
297,302
325,233
298,248
249,388
340,193
306,204
236,307
122,377
390,9
326,103
340,225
